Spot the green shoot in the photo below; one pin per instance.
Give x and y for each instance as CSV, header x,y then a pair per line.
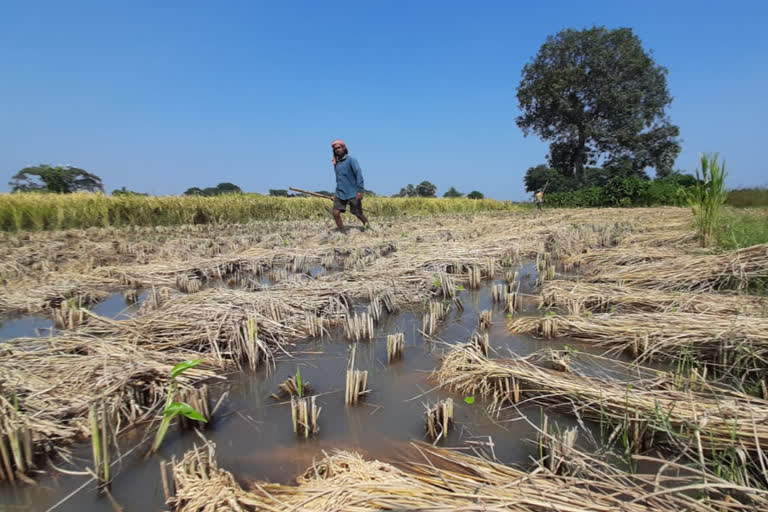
x,y
173,409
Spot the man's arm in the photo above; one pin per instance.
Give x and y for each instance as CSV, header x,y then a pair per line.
x,y
358,176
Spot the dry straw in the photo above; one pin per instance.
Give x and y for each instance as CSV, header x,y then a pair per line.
x,y
443,479
52,382
715,338
652,406
579,297
735,269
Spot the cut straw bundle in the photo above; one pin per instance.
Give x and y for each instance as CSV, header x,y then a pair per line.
x,y
444,480
304,415
439,419
395,347
356,386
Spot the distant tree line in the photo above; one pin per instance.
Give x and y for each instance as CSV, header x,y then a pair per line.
x,y
221,188
428,189
67,179
122,191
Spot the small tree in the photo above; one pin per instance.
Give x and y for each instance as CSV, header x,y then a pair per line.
x,y
475,195
426,189
452,192
193,191
279,192
407,191
60,180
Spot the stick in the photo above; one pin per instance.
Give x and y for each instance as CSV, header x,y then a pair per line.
x,y
322,196
307,192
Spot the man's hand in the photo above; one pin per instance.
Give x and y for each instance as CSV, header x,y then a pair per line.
x,y
359,195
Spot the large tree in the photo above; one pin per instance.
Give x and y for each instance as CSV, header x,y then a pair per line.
x,y
596,95
61,180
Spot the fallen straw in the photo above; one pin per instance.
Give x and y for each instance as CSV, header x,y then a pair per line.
x,y
443,479
654,406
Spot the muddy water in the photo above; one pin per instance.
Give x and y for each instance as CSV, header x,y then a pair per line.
x,y
253,432
32,326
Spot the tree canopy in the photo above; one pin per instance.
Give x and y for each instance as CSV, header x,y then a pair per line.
x,y
60,180
598,97
475,195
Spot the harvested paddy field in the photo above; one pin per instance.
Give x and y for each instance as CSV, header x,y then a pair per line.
x,y
556,360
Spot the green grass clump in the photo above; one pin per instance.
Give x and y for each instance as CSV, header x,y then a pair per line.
x,y
707,196
742,228
36,212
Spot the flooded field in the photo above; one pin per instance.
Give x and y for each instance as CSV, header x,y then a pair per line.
x,y
558,383
253,432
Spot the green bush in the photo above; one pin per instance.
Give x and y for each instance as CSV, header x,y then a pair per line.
x,y
623,192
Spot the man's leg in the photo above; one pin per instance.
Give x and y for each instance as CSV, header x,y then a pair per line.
x,y
337,217
356,208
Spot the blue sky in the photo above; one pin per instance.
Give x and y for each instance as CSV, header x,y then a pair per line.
x,y
162,96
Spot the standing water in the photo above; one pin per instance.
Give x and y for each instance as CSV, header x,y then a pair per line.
x,y
253,432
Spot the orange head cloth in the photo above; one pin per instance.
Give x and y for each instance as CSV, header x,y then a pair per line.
x,y
334,142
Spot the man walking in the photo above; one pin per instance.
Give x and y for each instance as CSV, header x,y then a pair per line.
x,y
538,198
349,185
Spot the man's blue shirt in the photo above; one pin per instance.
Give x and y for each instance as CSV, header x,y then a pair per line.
x,y
349,178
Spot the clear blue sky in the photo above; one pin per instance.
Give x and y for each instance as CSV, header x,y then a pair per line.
x,y
162,96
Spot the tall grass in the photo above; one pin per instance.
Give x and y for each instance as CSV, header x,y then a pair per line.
x,y
707,196
35,212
